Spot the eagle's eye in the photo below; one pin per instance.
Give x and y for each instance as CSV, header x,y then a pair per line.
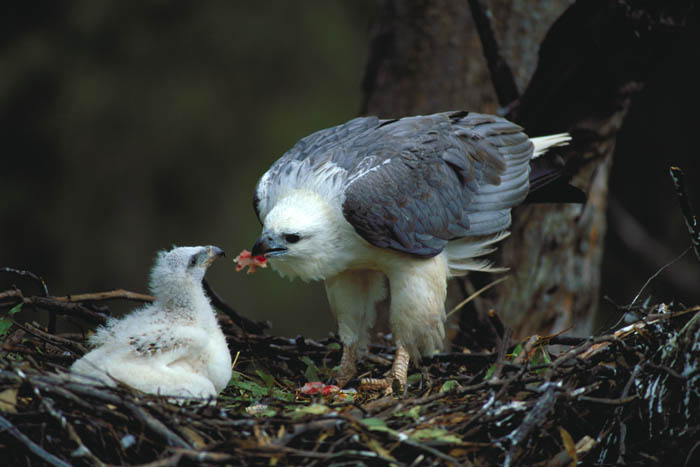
x,y
291,238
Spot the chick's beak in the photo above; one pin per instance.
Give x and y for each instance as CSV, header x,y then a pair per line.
x,y
213,252
268,245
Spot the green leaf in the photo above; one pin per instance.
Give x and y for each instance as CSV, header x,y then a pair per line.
x,y
267,378
5,325
311,372
282,395
6,322
413,412
518,348
266,412
414,378
435,434
334,346
449,385
248,388
313,409
375,424
489,372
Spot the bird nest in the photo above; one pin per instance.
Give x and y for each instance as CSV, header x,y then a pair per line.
x,y
628,396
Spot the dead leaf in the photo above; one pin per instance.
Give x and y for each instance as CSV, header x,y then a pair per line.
x,y
8,400
569,445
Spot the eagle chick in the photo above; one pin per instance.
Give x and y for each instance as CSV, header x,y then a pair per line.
x,y
174,346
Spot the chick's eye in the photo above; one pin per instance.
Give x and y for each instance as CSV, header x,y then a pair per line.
x,y
291,238
193,262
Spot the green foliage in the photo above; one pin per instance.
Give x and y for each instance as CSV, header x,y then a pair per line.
x,y
6,321
435,434
414,378
413,413
311,371
376,424
312,409
250,390
449,385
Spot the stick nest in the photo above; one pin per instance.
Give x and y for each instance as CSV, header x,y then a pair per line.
x,y
628,396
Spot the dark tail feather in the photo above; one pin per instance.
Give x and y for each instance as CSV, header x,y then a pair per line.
x,y
549,182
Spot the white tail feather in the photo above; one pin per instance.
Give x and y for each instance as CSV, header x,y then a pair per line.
x,y
483,265
544,143
462,254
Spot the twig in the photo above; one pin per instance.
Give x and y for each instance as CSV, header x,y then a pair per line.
x,y
347,453
44,290
653,276
691,220
51,338
606,401
501,74
534,418
53,305
5,425
316,425
245,324
157,426
476,294
82,450
107,295
31,275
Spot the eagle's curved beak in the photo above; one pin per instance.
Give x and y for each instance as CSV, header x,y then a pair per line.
x,y
268,245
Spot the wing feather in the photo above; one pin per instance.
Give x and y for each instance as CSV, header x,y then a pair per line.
x,y
437,178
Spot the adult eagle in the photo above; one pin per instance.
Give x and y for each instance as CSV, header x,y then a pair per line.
x,y
390,209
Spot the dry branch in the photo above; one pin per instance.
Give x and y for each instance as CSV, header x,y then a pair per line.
x,y
513,418
691,220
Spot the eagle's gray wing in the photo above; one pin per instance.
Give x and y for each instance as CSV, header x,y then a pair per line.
x,y
415,183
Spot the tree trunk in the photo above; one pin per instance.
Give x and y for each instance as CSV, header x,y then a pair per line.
x,y
428,57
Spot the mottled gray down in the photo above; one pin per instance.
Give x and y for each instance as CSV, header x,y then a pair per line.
x,y
413,184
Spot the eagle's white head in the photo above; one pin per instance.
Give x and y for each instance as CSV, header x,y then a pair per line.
x,y
304,236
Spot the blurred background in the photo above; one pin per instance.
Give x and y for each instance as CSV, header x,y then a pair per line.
x,y
129,127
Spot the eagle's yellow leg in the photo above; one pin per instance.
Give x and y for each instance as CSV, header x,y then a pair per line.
x,y
396,380
347,368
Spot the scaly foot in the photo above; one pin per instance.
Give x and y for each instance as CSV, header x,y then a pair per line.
x,y
396,380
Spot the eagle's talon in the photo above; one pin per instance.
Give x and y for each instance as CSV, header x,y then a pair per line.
x,y
396,381
389,385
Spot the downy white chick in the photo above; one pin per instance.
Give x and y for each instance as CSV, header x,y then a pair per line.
x,y
172,347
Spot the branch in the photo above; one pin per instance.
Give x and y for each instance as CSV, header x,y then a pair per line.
x,y
44,291
31,275
37,450
501,74
108,295
690,219
245,324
